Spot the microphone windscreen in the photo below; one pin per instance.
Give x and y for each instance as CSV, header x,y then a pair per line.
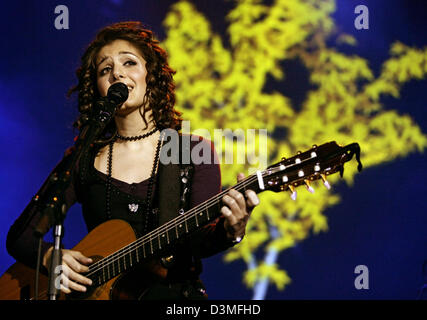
x,y
118,93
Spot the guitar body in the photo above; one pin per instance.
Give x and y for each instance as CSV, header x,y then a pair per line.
x,y
17,283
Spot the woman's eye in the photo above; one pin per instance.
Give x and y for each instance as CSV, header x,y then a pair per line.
x,y
107,69
104,70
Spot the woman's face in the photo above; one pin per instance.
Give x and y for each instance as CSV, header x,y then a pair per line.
x,y
120,61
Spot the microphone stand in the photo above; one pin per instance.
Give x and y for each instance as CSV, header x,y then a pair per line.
x,y
59,180
55,207
56,260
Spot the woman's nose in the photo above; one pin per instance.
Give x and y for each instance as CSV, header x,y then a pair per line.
x,y
118,73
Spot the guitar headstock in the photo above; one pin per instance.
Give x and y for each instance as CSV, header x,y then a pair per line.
x,y
303,168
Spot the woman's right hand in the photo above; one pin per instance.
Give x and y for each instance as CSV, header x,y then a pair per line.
x,y
74,263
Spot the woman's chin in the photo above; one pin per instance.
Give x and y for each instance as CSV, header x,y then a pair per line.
x,y
126,110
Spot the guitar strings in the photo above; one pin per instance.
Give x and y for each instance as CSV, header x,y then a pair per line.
x,y
101,264
155,233
159,230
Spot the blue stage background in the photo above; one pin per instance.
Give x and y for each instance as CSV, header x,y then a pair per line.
x,y
381,221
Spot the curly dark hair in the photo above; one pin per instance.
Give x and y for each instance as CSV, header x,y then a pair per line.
x,y
160,92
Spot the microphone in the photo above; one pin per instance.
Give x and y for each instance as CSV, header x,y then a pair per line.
x,y
106,107
103,111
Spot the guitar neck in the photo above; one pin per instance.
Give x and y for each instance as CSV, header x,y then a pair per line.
x,y
164,236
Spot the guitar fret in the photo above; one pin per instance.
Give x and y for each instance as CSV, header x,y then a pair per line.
x,y
130,255
158,238
167,236
176,230
207,212
137,255
197,221
93,280
151,246
163,238
186,227
143,249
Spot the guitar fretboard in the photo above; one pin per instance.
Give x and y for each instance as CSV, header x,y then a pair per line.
x,y
162,237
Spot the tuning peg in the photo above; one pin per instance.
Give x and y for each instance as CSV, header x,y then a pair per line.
x,y
325,182
307,184
293,192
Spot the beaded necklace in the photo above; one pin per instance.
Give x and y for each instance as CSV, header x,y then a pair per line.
x,y
135,138
133,207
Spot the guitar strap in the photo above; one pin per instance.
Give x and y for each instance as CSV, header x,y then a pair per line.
x,y
174,185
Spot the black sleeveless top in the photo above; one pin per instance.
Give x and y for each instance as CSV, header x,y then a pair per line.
x,y
127,201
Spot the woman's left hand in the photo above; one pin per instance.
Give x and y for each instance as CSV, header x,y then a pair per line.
x,y
237,210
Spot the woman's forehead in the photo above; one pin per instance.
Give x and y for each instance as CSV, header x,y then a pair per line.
x,y
117,47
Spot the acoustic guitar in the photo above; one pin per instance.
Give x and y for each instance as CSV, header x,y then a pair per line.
x,y
122,261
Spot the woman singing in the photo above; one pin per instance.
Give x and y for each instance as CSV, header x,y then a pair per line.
x,y
122,176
